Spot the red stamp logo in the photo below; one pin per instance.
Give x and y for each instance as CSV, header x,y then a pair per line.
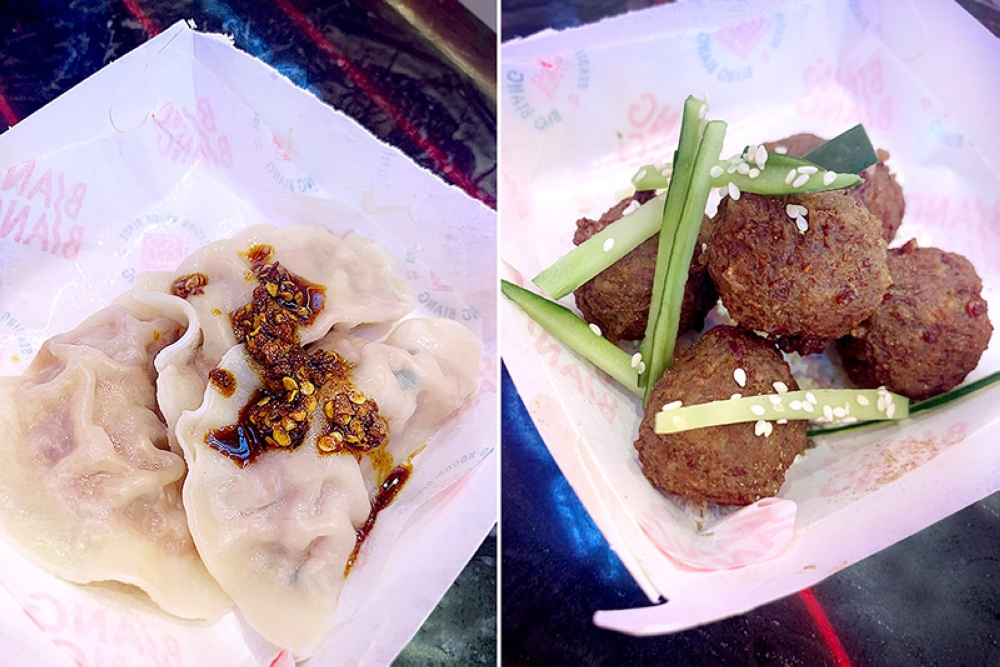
x,y
162,251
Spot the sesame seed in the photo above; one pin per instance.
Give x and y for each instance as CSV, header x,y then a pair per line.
x,y
829,177
758,428
781,150
751,154
632,207
828,413
673,405
807,169
659,165
680,422
849,420
596,329
757,409
802,224
774,399
807,406
761,156
734,191
636,359
881,403
800,180
744,168
716,171
839,412
792,210
780,387
795,405
731,169
768,429
740,376
782,421
891,410
754,173
667,172
790,177
638,177
609,244
702,111
811,397
642,367
736,396
704,247
862,400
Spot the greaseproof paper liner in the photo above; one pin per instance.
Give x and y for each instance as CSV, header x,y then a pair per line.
x,y
584,108
185,141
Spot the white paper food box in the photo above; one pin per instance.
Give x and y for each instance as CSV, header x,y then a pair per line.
x,y
184,141
584,108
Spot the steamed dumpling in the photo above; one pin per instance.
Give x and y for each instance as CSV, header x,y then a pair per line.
x,y
360,284
89,489
277,533
422,373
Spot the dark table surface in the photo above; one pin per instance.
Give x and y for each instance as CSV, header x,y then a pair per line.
x,y
419,74
932,599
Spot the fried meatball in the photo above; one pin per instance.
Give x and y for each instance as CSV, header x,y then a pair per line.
x,y
882,195
617,299
930,330
800,286
729,465
879,192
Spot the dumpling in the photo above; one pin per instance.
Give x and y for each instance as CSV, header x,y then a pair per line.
x,y
89,489
359,286
277,532
422,373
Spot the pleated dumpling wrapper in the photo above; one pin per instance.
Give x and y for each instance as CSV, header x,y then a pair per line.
x,y
277,532
89,488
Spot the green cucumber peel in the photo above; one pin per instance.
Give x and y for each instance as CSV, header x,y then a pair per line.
x,y
590,257
662,332
577,334
772,180
822,405
921,406
677,193
849,152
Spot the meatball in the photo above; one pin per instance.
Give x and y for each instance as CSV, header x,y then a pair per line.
x,y
882,195
930,330
729,465
799,286
879,192
617,299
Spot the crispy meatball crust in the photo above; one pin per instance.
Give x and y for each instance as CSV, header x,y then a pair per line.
x,y
728,464
813,285
879,192
617,299
930,330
